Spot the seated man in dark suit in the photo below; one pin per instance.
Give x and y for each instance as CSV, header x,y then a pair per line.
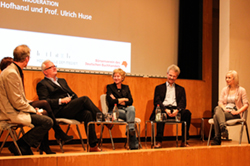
x,y
65,103
170,95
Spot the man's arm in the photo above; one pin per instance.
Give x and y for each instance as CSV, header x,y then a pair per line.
x,y
15,94
181,98
158,97
44,94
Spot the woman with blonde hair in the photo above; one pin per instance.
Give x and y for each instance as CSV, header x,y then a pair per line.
x,y
232,103
118,93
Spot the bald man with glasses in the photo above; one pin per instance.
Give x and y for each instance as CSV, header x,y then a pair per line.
x,y
65,103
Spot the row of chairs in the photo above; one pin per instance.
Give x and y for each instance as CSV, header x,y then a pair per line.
x,y
12,128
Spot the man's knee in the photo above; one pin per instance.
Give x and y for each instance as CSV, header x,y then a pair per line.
x,y
186,113
85,98
131,108
88,114
85,116
48,122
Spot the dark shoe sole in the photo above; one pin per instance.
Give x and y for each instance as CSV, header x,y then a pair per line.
x,y
212,143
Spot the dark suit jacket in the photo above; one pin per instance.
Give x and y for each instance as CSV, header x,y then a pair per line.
x,y
47,90
159,96
125,93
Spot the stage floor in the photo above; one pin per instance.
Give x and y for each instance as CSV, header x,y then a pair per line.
x,y
77,148
230,153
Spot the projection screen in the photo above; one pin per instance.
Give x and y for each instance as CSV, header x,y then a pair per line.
x,y
139,36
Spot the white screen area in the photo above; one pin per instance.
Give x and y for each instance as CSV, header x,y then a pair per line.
x,y
67,51
93,36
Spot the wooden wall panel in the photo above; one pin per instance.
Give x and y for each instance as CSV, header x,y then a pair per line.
x,y
142,89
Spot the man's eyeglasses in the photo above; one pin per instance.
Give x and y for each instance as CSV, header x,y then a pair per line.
x,y
50,67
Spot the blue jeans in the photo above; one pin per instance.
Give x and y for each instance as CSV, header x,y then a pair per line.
x,y
128,114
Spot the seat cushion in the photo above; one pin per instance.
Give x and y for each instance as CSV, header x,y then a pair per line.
x,y
211,121
67,121
234,121
228,122
7,124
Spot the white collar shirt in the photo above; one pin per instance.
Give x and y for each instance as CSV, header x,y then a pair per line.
x,y
170,98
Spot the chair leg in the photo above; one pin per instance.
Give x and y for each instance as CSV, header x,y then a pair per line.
x,y
67,129
21,131
153,141
111,138
247,133
14,140
1,132
79,133
209,136
15,134
139,135
202,129
177,135
100,140
4,141
241,132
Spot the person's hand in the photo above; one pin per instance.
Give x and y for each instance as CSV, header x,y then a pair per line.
x,y
168,111
125,99
175,112
123,103
112,96
65,100
233,112
122,100
39,113
227,110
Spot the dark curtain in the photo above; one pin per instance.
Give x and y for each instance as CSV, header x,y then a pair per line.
x,y
190,39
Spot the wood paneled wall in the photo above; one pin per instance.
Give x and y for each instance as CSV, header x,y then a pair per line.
x,y
142,89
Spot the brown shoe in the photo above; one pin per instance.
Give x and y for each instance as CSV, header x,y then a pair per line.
x,y
185,145
157,145
95,149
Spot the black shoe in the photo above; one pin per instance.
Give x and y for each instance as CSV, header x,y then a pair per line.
x,y
224,132
61,136
216,141
45,148
12,148
24,148
133,142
